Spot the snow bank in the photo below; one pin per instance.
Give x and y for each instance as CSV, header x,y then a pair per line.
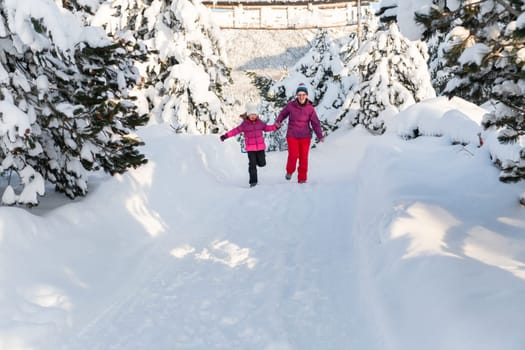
x,y
456,119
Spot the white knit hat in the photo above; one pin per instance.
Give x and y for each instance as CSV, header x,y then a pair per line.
x,y
251,108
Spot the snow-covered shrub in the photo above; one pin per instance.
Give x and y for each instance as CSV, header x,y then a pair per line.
x,y
64,105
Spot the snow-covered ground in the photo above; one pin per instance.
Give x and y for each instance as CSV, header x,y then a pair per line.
x,y
392,244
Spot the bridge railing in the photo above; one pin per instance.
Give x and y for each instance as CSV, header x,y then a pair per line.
x,y
286,16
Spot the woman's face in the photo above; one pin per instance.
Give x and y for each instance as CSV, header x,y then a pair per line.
x,y
301,97
252,117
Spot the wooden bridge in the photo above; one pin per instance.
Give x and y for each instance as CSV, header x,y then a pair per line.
x,y
281,14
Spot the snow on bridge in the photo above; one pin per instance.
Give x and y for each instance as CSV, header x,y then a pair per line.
x,y
279,14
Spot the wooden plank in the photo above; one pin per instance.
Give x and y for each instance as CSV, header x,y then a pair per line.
x,y
255,7
287,28
340,5
261,3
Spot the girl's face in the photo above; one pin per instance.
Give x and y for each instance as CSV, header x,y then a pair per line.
x,y
252,117
301,97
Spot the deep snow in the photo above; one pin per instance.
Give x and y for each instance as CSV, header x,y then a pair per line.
x,y
392,244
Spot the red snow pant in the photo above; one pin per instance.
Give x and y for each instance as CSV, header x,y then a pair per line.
x,y
298,150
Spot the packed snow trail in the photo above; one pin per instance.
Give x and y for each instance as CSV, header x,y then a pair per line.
x,y
383,248
260,279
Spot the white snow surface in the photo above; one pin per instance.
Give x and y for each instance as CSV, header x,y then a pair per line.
x,y
393,243
64,27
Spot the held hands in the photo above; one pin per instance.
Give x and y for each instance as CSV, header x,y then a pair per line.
x,y
223,137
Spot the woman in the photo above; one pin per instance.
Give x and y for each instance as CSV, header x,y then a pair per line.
x,y
301,119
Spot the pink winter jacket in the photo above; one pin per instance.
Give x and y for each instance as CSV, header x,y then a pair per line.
x,y
301,120
253,133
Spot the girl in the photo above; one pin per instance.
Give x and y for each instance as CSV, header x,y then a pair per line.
x,y
253,128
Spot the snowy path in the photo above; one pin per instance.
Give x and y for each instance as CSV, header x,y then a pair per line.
x,y
283,292
181,254
260,280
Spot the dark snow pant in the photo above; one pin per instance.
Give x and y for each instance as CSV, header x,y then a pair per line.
x,y
255,159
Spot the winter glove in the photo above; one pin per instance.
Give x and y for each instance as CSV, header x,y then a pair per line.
x,y
223,137
277,124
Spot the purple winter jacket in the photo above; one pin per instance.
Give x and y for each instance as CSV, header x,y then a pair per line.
x,y
300,118
253,133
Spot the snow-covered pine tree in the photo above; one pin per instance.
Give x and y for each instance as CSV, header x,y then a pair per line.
x,y
64,104
485,55
186,70
350,46
387,11
82,8
319,69
437,23
91,128
388,74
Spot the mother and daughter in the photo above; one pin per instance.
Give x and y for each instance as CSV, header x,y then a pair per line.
x,y
302,118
